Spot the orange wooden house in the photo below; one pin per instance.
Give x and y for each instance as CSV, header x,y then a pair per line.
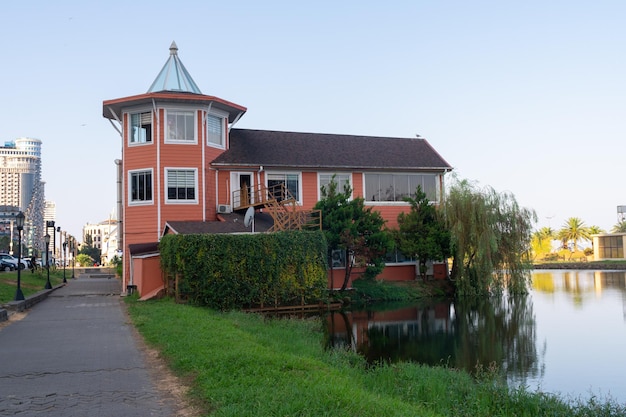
x,y
185,168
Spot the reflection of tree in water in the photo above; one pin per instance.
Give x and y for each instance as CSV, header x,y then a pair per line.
x,y
477,331
500,330
335,338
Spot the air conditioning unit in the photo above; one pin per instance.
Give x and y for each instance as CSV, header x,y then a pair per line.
x,y
338,258
224,208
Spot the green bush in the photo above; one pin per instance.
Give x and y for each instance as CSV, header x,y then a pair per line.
x,y
226,271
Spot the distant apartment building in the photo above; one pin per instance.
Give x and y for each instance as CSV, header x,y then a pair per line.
x,y
49,211
103,236
21,189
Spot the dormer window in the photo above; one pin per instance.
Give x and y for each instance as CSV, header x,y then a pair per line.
x,y
140,128
180,126
215,130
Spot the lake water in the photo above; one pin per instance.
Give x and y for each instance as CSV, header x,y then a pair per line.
x,y
567,337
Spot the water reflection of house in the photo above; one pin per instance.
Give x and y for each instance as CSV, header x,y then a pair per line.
x,y
353,329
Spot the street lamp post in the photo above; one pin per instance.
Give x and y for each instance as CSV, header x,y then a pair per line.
x,y
64,259
53,248
73,251
19,219
47,237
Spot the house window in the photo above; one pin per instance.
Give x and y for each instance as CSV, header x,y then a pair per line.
x,y
140,186
278,182
396,256
215,130
181,185
610,247
394,187
141,128
180,126
341,180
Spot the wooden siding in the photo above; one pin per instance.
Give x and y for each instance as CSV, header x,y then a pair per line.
x,y
148,275
187,156
357,184
224,195
390,213
309,190
144,223
210,191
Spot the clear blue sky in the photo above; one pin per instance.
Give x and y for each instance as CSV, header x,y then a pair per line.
x,y
526,97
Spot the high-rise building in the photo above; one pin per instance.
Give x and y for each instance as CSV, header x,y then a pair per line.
x,y
21,188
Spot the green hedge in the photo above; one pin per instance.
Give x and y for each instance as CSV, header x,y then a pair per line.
x,y
227,271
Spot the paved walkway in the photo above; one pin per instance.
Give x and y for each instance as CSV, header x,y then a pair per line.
x,y
74,354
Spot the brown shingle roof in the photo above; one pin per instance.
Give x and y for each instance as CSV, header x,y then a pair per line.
x,y
233,223
143,248
316,150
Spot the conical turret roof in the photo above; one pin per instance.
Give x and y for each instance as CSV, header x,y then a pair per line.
x,y
174,76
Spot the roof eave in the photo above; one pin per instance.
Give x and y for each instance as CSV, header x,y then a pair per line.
x,y
117,105
336,167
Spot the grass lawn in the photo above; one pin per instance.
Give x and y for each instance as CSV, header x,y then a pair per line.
x,y
30,283
247,365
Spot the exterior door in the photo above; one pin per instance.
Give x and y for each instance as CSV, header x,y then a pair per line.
x,y
242,187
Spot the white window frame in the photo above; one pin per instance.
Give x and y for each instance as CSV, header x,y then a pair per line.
x,y
339,182
369,201
223,118
285,173
131,173
168,139
130,128
166,187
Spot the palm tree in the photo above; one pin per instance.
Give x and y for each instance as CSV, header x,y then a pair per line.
x,y
574,230
619,227
541,240
595,230
546,232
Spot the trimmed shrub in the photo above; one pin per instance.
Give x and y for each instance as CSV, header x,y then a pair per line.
x,y
229,271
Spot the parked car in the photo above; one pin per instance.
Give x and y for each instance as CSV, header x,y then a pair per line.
x,y
6,266
13,260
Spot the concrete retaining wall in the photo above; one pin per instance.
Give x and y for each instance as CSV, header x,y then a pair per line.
x,y
30,301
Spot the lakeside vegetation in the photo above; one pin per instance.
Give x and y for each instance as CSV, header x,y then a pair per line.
x,y
30,283
247,365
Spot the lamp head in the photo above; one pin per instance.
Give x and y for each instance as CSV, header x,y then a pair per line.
x,y
19,220
47,238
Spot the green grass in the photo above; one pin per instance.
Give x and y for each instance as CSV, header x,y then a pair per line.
x,y
375,290
29,282
247,365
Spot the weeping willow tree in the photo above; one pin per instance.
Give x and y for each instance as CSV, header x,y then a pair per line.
x,y
490,236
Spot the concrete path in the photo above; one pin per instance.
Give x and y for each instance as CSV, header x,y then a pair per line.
x,y
75,354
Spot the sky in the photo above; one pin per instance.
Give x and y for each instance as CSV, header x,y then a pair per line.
x,y
528,98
